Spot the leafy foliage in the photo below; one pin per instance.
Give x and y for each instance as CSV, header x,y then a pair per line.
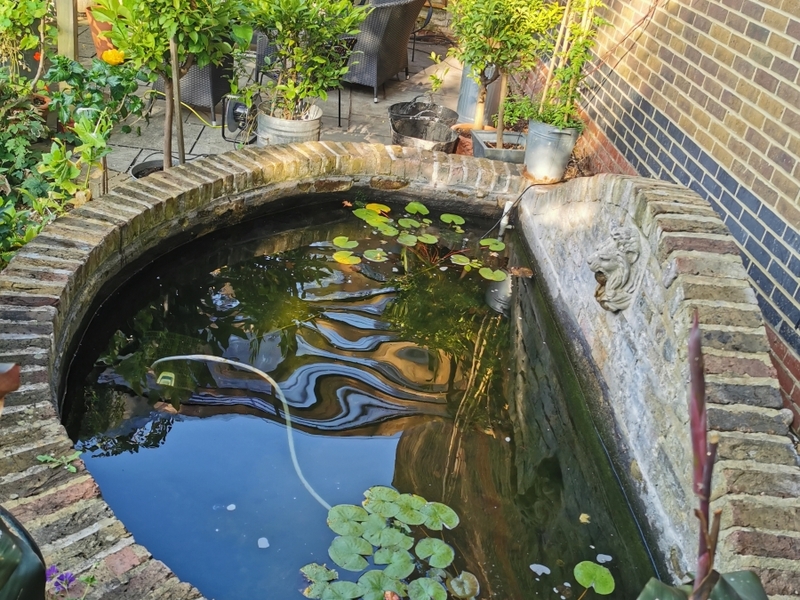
x,y
381,528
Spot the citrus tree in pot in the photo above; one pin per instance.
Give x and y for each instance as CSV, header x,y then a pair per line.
x,y
554,130
310,42
203,30
507,35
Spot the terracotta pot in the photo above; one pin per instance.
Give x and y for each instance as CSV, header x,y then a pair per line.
x,y
96,27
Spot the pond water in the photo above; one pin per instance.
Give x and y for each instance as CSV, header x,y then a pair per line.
x,y
397,374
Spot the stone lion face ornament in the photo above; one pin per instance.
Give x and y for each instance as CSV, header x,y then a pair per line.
x,y
612,264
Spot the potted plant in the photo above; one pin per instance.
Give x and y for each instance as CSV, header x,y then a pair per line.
x,y
23,35
311,42
507,35
203,32
554,130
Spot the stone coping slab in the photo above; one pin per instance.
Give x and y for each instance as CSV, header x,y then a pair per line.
x,y
50,286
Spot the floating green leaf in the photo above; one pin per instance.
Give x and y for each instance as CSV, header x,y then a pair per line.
x,y
342,241
590,574
438,515
427,221
452,219
348,552
459,259
401,565
378,208
363,213
380,500
346,257
458,229
493,244
408,223
345,519
491,274
427,238
387,229
465,586
341,590
373,526
409,505
374,583
388,536
437,553
315,590
376,221
376,255
317,572
426,589
416,208
407,239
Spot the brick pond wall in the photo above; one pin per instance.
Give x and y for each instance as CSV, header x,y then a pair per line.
x,y
48,288
706,93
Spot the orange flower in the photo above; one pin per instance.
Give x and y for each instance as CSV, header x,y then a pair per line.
x,y
37,56
113,56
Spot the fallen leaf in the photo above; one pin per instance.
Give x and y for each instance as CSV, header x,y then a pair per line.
x,y
521,271
584,518
347,203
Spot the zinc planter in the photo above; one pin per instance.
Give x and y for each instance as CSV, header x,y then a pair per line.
x,y
481,150
547,151
272,130
468,98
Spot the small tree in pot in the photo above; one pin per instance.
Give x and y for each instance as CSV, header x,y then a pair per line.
x,y
203,30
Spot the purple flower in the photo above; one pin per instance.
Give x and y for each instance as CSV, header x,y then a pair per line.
x,y
64,581
51,572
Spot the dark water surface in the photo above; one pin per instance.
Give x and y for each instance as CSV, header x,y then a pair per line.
x,y
404,382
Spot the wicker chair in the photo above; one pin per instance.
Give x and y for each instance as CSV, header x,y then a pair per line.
x,y
381,49
204,86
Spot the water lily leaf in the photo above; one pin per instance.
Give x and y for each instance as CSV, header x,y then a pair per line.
x,y
459,259
373,526
346,257
388,536
341,590
408,223
590,574
388,229
438,515
464,586
380,500
493,244
374,583
409,505
407,239
458,229
427,221
452,219
345,519
363,213
491,274
376,255
376,220
416,208
438,554
342,241
315,590
427,238
348,552
378,208
401,565
316,572
426,589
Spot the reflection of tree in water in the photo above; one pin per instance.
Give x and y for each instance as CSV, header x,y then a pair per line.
x,y
147,433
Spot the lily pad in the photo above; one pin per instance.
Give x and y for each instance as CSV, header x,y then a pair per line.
x,y
465,586
491,274
374,583
408,223
427,238
376,255
407,239
345,519
378,208
401,566
381,501
348,551
493,244
342,241
363,213
590,574
316,572
436,552
388,536
376,220
438,515
459,259
341,590
409,509
386,229
452,219
346,257
426,589
416,208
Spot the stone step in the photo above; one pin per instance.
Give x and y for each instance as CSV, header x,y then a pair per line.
x,y
748,419
760,447
750,477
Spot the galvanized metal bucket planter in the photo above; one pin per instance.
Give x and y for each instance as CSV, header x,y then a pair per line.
x,y
272,130
547,151
426,134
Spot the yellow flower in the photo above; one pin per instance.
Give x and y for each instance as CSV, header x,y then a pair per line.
x,y
113,56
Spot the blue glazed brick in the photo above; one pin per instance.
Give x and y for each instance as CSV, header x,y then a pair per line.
x,y
709,164
628,120
792,238
760,279
690,147
694,170
757,251
681,176
654,165
665,160
785,305
678,154
750,223
789,333
712,186
714,204
771,316
794,266
647,108
772,220
737,231
675,132
776,247
695,186
663,139
782,277
727,181
638,115
746,261
639,132
731,204
749,199
661,120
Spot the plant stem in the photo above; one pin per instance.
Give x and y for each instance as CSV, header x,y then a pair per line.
x,y
168,115
500,110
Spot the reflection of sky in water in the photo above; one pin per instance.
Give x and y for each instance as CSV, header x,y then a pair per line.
x,y
173,514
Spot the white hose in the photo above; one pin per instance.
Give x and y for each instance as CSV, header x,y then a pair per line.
x,y
287,416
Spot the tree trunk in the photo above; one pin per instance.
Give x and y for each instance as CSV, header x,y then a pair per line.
x,y
168,113
501,109
480,107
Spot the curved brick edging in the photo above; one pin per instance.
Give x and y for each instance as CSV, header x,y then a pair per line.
x,y
50,284
48,287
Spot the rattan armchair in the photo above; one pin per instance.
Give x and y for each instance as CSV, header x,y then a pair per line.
x,y
381,49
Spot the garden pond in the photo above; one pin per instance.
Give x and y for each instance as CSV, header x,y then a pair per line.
x,y
397,374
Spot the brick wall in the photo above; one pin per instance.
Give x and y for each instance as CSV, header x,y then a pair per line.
x,y
707,93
